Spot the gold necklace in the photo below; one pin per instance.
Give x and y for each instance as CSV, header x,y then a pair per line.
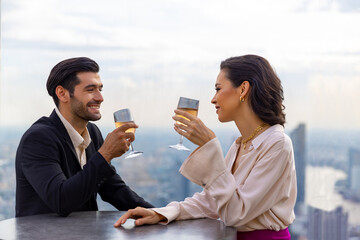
x,y
253,134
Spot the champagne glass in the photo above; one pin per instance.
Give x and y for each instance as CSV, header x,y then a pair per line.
x,y
190,106
122,117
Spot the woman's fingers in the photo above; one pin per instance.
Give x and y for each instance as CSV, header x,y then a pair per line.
x,y
142,216
143,221
185,114
132,213
195,131
122,219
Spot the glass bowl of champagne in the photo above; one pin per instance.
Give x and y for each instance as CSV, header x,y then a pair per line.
x,y
190,106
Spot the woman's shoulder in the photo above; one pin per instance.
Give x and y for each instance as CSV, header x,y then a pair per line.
x,y
276,136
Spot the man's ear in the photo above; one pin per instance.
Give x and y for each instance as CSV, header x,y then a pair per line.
x,y
62,94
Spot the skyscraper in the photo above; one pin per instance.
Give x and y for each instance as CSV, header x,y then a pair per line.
x,y
298,137
327,225
354,173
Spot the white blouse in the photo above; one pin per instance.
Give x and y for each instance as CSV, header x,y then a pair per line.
x,y
261,193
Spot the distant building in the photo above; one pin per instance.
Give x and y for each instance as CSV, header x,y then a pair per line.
x,y
354,172
298,138
324,225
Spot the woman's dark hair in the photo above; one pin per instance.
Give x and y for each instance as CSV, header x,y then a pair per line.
x,y
65,74
266,94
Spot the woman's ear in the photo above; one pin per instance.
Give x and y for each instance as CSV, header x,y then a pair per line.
x,y
62,94
244,89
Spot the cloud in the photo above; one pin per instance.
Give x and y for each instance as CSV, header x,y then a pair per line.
x,y
152,52
335,101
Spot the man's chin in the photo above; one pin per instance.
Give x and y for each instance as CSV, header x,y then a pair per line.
x,y
95,117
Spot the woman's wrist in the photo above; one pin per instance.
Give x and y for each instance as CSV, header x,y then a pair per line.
x,y
161,217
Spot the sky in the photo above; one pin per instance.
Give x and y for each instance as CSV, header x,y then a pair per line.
x,y
152,52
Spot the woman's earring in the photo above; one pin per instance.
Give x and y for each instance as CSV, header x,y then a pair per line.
x,y
242,99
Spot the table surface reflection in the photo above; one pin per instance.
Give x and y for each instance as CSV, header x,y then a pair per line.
x,y
99,225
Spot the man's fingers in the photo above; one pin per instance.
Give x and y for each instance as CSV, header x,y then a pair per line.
x,y
129,136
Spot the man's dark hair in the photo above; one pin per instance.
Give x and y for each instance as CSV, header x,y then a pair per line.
x,y
65,74
266,94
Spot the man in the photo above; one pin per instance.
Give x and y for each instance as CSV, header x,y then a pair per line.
x,y
62,161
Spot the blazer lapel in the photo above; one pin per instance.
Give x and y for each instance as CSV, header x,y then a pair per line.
x,y
63,132
90,150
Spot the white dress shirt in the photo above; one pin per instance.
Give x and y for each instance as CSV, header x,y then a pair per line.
x,y
80,142
261,193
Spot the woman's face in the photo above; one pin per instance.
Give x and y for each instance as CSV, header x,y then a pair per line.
x,y
226,98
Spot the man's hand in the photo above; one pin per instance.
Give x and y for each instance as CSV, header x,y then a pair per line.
x,y
142,216
117,142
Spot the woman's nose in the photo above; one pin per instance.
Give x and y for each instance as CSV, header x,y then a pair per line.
x,y
213,100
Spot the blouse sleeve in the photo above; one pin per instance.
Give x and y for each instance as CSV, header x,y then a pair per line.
x,y
237,204
200,205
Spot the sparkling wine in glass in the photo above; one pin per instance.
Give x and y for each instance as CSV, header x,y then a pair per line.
x,y
122,117
190,106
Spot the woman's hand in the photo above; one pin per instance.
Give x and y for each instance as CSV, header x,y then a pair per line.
x,y
142,216
193,129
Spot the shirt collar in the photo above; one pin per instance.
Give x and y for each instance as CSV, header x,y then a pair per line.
x,y
256,142
76,139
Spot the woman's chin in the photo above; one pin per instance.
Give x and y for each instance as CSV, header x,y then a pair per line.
x,y
223,120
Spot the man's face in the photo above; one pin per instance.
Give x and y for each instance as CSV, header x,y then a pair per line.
x,y
87,98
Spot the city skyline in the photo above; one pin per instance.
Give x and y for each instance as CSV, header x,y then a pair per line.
x,y
151,53
155,173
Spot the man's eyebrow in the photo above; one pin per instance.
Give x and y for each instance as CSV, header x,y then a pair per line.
x,y
93,85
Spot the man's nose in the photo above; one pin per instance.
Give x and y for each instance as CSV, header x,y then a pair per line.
x,y
98,97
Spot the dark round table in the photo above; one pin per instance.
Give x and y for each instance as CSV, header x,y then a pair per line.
x,y
99,225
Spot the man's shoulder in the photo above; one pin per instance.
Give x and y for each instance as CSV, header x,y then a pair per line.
x,y
43,126
44,123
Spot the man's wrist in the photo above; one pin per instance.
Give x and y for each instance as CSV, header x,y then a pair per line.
x,y
105,155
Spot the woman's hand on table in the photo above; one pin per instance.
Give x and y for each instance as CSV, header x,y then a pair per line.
x,y
142,216
193,129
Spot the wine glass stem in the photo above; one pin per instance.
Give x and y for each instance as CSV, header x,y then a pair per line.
x,y
181,140
131,147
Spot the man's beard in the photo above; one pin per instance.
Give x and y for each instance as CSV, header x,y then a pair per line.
x,y
81,110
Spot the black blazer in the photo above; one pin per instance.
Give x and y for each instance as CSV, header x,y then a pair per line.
x,y
49,177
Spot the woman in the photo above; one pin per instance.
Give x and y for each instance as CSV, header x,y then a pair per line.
x,y
254,188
